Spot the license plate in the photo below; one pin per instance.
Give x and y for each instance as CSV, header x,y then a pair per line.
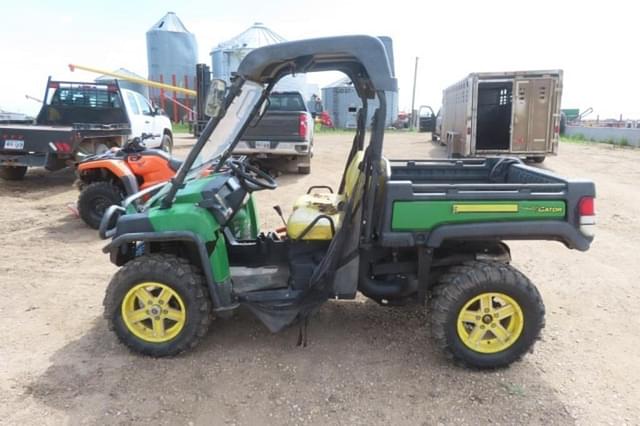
x,y
13,144
263,145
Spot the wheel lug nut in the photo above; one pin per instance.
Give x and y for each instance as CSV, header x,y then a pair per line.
x,y
166,311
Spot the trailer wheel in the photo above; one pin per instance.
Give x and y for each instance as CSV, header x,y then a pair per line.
x,y
95,199
13,172
485,314
158,305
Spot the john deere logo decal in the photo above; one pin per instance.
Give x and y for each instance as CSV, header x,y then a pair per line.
x,y
544,209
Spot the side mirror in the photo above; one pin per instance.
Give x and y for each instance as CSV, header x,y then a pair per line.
x,y
159,111
215,98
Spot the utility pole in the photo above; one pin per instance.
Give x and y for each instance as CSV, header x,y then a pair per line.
x,y
413,97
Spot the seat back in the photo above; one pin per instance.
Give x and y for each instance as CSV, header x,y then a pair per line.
x,y
352,173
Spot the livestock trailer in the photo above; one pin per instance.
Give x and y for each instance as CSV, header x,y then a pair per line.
x,y
516,113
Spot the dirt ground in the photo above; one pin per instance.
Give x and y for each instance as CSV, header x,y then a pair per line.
x,y
365,364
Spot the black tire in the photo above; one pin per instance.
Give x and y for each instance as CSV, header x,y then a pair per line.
x,y
536,159
94,200
167,143
461,284
305,170
13,172
183,278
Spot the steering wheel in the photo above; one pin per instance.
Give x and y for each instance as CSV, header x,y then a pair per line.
x,y
251,177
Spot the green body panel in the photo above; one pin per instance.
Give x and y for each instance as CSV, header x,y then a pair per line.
x,y
425,215
253,217
185,215
244,224
219,260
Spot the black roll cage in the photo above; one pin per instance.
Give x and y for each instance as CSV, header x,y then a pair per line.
x,y
364,59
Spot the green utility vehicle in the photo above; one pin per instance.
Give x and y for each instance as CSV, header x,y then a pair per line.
x,y
397,231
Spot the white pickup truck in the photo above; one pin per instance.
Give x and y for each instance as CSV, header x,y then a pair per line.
x,y
76,120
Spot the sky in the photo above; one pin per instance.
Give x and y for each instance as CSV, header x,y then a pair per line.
x,y
595,43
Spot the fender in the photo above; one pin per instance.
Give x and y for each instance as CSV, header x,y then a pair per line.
x,y
214,284
116,168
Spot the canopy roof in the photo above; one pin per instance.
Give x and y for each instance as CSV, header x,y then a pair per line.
x,y
363,59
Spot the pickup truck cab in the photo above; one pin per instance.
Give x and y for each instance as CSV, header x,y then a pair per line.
x,y
77,120
147,119
284,133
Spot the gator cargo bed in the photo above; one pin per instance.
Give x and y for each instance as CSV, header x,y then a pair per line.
x,y
427,202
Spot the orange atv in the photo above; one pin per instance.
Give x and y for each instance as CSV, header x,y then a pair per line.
x,y
108,178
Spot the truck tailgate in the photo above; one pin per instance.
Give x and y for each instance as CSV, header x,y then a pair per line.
x,y
32,138
276,125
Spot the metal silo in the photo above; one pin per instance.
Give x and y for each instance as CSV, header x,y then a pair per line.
x,y
125,84
172,54
226,56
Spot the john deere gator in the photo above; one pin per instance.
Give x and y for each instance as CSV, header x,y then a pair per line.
x,y
399,231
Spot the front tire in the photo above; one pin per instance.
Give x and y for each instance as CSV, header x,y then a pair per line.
x,y
486,314
158,305
95,199
13,172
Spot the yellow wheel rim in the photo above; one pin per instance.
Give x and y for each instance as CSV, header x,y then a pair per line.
x,y
153,312
490,323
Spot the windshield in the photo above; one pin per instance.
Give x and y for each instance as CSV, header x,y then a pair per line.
x,y
229,126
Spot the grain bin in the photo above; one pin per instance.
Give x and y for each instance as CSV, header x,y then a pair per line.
x,y
126,84
172,54
226,56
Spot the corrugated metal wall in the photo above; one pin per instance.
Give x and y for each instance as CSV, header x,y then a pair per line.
x,y
606,134
342,103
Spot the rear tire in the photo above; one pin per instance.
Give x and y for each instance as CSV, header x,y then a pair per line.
x,y
94,201
185,311
13,172
485,314
167,143
305,169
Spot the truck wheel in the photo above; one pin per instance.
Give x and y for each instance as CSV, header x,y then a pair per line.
x,y
95,199
305,169
157,305
485,314
167,144
13,172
